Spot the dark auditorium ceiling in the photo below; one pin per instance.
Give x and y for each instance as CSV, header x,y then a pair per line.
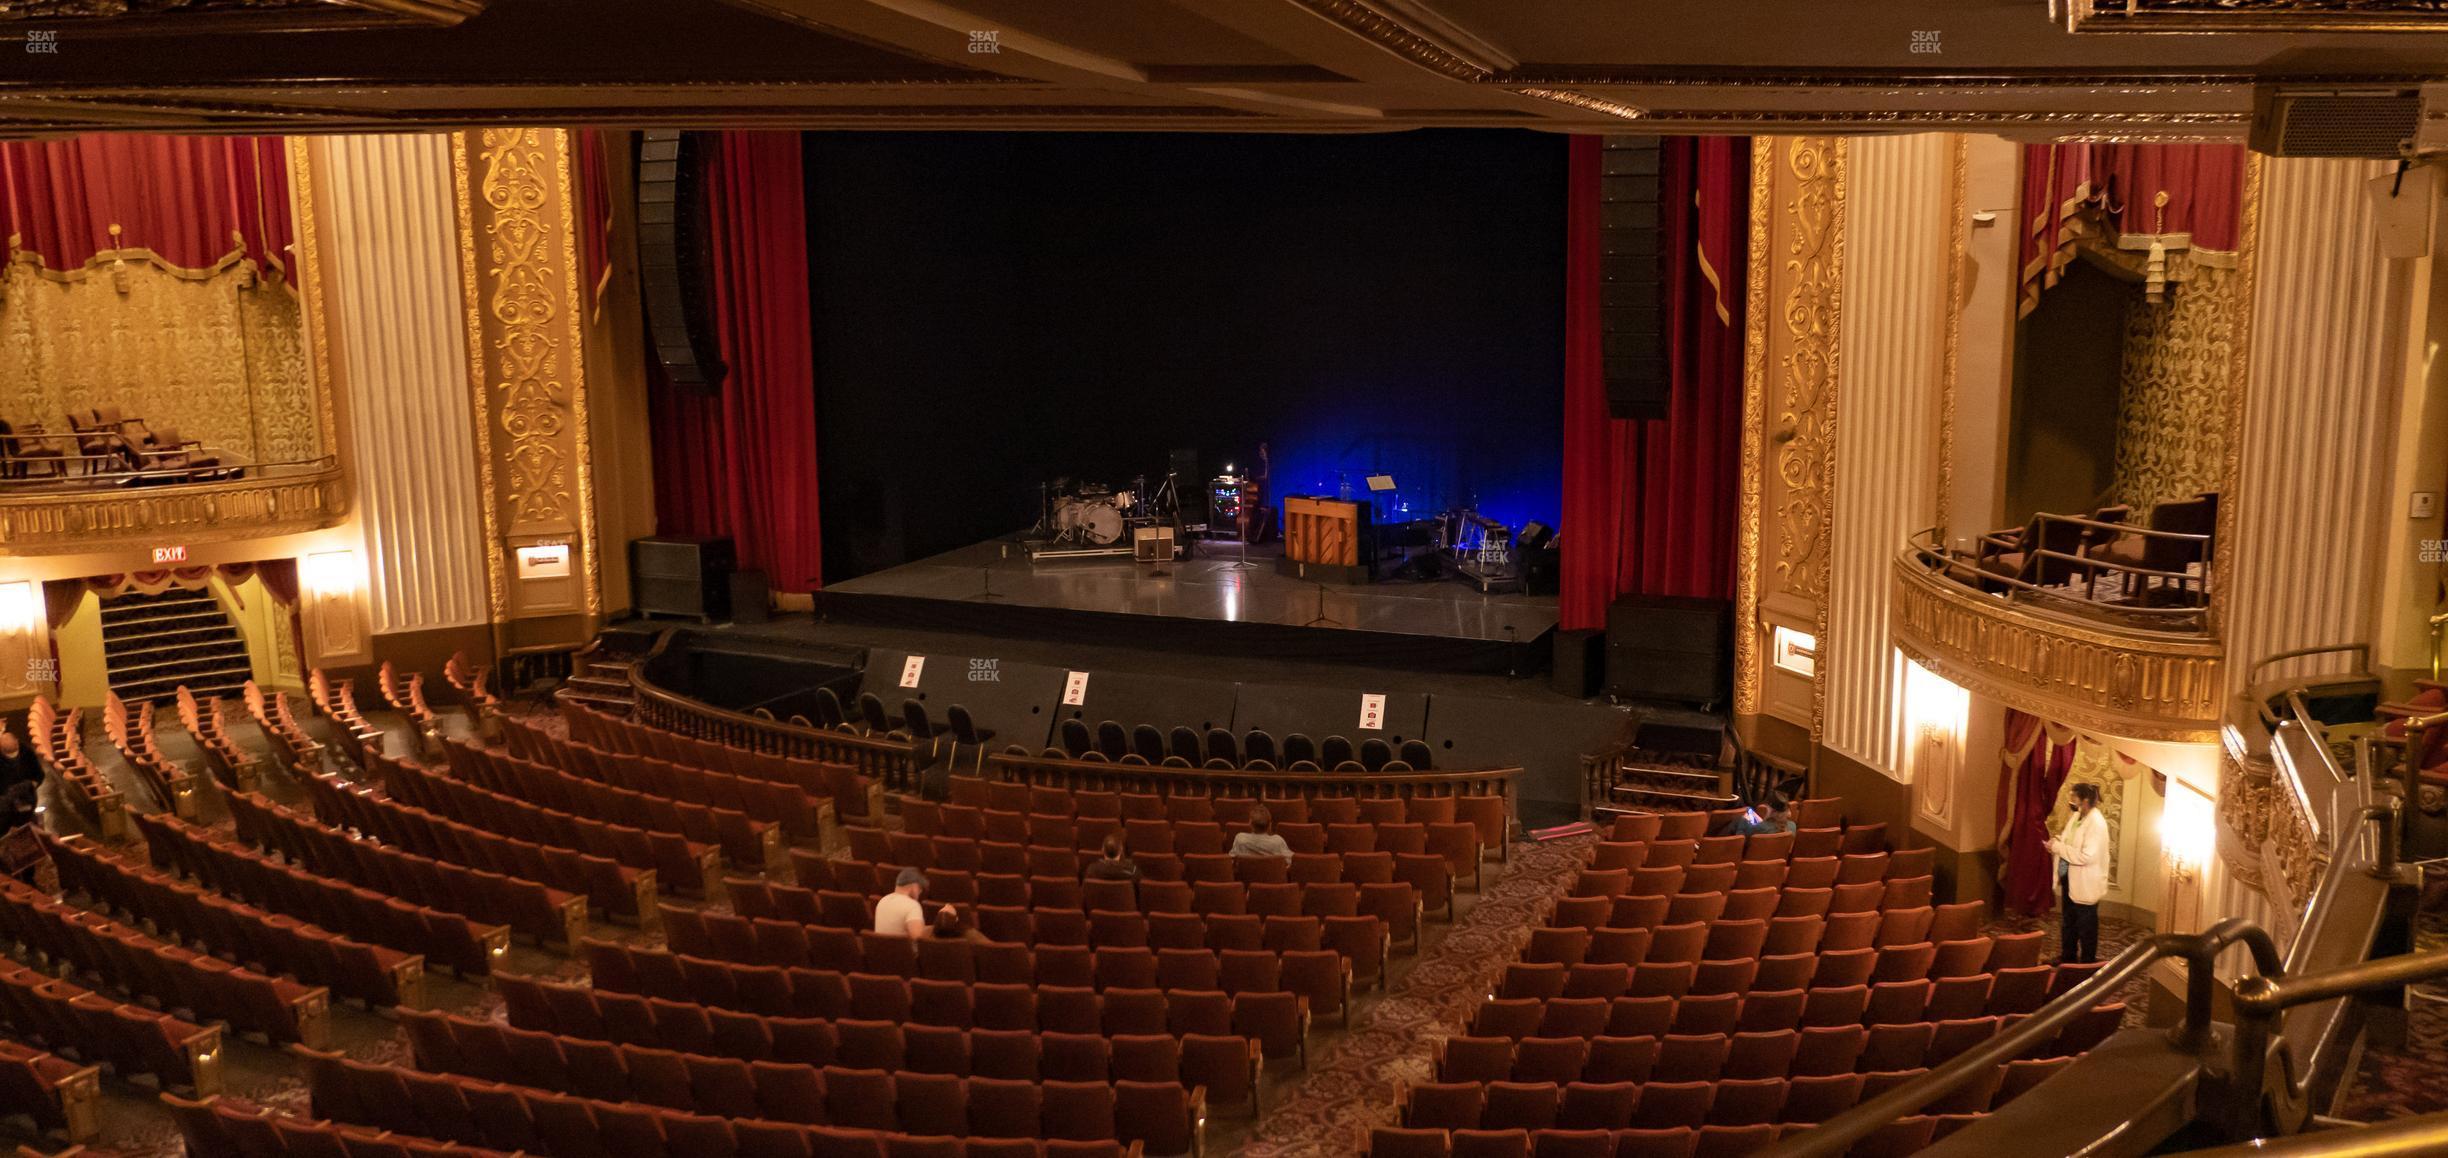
x,y
2171,69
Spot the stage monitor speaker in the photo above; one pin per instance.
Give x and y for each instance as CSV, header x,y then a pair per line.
x,y
1661,648
751,597
675,272
1580,658
682,576
1152,544
1632,277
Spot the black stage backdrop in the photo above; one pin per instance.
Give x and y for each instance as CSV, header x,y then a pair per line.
x,y
993,309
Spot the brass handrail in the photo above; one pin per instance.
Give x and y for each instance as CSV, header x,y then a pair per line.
x,y
2361,650
2422,1137
103,480
2181,621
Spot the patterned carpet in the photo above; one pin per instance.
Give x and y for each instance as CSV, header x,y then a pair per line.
x,y
1350,1085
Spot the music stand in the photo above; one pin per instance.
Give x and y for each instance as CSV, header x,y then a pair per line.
x,y
1322,619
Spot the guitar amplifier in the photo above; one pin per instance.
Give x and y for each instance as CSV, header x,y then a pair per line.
x,y
1152,544
682,576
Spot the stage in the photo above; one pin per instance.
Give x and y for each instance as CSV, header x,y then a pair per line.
x,y
1218,602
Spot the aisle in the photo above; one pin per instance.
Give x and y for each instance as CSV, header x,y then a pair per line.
x,y
1350,1084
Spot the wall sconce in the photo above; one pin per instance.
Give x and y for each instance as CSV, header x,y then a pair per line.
x,y
20,609
2188,830
331,580
1794,651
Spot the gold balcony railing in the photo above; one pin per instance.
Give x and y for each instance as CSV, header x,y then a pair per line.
x,y
2156,677
50,517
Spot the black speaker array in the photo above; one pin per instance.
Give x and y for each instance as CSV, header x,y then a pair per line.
x,y
675,272
1631,296
673,575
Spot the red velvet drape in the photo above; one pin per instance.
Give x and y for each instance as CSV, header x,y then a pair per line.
x,y
2117,190
1649,506
743,462
2027,869
191,200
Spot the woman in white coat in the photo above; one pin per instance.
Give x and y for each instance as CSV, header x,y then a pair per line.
x,y
2082,876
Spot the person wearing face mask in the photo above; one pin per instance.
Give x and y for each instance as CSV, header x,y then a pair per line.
x,y
2082,876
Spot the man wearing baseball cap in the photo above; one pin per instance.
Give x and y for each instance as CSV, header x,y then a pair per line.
x,y
898,912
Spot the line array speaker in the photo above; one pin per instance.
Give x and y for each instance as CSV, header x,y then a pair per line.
x,y
674,269
1665,648
1631,293
672,575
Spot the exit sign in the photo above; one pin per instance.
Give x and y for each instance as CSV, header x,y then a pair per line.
x,y
170,554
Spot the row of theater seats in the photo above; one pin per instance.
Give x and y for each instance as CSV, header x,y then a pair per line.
x,y
1199,1022
1221,915
609,886
1304,822
221,1125
130,1039
1278,1017
745,842
1778,921
855,795
679,864
446,940
58,740
1397,890
798,810
1163,850
1087,1117
1811,1052
1893,1140
235,930
291,745
1183,803
528,907
232,767
210,988
359,739
1323,973
58,1094
927,1094
174,786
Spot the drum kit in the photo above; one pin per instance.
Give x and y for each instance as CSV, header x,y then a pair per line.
x,y
1088,520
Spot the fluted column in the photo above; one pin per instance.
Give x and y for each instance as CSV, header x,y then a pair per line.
x,y
393,256
2326,380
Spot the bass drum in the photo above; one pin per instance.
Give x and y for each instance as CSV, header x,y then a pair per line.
x,y
1096,522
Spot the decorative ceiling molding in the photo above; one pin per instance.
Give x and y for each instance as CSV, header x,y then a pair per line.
x,y
192,17
1586,102
1394,34
2264,16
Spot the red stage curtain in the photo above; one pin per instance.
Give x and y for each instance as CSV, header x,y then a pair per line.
x,y
743,463
193,201
1650,505
595,210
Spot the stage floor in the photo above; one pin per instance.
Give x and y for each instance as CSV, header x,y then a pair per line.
x,y
1213,587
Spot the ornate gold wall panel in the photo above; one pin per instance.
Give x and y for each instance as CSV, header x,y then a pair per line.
x,y
1789,399
525,317
1813,279
2145,686
2179,377
218,354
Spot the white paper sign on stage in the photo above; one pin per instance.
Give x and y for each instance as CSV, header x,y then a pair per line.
x,y
1075,689
911,669
1372,712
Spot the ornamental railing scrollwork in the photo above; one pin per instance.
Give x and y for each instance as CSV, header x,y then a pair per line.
x,y
86,519
2133,682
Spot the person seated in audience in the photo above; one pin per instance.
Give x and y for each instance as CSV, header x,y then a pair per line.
x,y
898,912
1769,816
1261,840
950,927
17,762
1116,864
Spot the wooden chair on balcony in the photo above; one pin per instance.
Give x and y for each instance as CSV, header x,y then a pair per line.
x,y
164,450
2171,556
26,452
2042,553
99,440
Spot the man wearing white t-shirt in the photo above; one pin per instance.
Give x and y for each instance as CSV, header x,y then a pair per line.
x,y
898,912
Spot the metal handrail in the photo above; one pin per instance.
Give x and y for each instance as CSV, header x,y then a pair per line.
x,y
2422,1137
1838,1134
1946,562
218,472
2361,650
